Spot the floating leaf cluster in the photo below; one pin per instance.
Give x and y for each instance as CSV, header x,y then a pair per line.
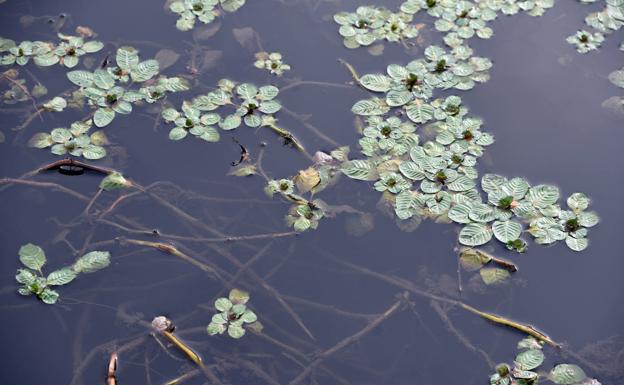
x,y
438,179
233,315
74,141
206,11
35,282
249,105
605,21
271,62
67,52
369,24
586,41
110,90
412,85
526,364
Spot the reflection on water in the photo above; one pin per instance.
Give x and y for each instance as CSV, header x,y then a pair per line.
x,y
549,127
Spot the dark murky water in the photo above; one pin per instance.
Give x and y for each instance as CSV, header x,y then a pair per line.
x,y
549,127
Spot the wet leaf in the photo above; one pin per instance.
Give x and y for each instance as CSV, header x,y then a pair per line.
x,y
92,262
32,256
493,275
567,374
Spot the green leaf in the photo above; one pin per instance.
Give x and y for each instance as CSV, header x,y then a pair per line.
x,y
127,58
529,359
376,82
493,275
506,231
475,234
230,122
236,331
214,328
145,70
61,277
93,152
177,133
81,78
473,260
92,261
32,256
370,107
247,90
418,112
114,181
578,202
238,296
25,277
576,244
249,316
223,304
103,116
359,169
567,374
49,296
543,195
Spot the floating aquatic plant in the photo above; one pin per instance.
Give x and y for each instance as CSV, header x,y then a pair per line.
x,y
465,20
271,62
109,99
413,84
35,282
526,364
233,316
253,106
74,141
369,24
203,10
586,41
44,54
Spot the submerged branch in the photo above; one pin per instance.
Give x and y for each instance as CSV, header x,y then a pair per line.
x,y
407,285
352,70
170,249
350,340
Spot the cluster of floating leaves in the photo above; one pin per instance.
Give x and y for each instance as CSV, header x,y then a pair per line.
x,y
369,24
459,19
74,141
109,91
205,11
271,62
67,52
251,105
438,180
34,282
233,316
411,85
605,21
586,41
529,360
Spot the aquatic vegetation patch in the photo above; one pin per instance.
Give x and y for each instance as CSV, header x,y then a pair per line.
x,y
233,315
44,54
369,24
526,364
73,141
36,283
248,104
206,11
586,41
271,62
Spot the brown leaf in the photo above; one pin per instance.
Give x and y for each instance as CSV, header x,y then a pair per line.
x,y
307,179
